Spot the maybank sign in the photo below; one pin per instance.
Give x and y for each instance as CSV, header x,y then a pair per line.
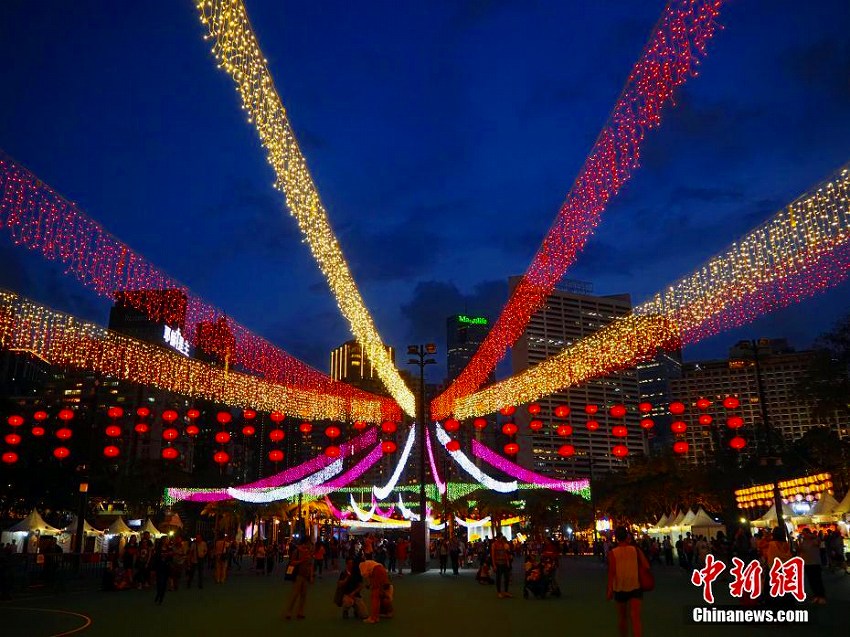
x,y
471,320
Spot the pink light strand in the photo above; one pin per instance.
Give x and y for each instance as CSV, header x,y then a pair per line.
x,y
349,476
521,473
441,486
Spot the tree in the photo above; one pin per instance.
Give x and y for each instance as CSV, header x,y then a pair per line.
x,y
826,385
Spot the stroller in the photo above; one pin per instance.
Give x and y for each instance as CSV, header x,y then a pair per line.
x,y
541,579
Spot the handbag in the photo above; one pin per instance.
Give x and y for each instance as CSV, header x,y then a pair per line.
x,y
289,575
646,579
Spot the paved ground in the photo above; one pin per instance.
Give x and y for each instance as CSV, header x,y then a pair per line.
x,y
425,604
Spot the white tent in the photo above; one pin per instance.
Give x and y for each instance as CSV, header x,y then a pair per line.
x,y
150,528
843,507
88,529
688,520
677,521
823,509
703,524
119,527
662,522
769,518
33,522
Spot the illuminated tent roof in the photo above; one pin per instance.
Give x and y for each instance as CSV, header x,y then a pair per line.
x,y
119,527
677,521
88,529
34,522
843,507
150,528
769,518
703,524
688,519
662,522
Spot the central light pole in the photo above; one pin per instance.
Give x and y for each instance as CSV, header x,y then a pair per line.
x,y
419,531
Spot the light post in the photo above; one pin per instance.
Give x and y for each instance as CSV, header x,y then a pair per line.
x,y
81,520
419,531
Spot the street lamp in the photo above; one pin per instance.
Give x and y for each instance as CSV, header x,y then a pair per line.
x,y
419,531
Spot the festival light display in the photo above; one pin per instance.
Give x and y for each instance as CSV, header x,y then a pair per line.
x,y
65,341
806,487
349,476
38,218
670,57
382,492
281,493
803,249
237,51
441,486
467,465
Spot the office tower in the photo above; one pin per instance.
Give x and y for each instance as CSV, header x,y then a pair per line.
x,y
654,378
351,364
572,312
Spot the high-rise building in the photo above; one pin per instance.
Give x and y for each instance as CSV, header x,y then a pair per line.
x,y
350,364
781,371
572,312
654,378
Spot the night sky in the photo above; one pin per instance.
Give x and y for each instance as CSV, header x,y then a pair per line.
x,y
443,137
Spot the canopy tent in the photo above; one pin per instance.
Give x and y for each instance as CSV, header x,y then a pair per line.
x,y
769,518
662,522
703,524
688,519
677,521
32,523
88,529
119,527
150,528
843,507
823,509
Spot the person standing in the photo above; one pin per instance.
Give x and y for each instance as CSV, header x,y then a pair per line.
x,y
161,563
221,555
402,549
624,583
454,554
303,563
500,555
319,558
197,556
809,550
443,552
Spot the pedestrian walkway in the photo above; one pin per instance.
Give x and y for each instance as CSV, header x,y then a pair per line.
x,y
425,604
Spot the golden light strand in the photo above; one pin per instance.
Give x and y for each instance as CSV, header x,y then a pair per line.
x,y
64,341
236,48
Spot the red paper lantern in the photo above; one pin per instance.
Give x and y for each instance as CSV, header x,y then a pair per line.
x,y
453,445
618,411
511,449
333,432
276,435
170,434
64,433
66,415
111,451
592,425
388,446
275,455
40,416
192,414
479,423
248,430
388,427
38,432
60,453
333,451
143,412
737,443
192,430
451,425
703,403
142,428
249,414
221,457
507,411
305,427
360,425
222,437
731,402
677,408
276,416
535,425
591,409
705,419
113,431
13,439
564,430
562,411
15,421
170,453
223,417
620,451
678,427
734,422
619,431
647,423
509,429
534,409
680,446
566,451
115,412
10,457
169,415
645,408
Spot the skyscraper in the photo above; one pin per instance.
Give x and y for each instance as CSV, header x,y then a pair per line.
x,y
464,335
572,312
350,364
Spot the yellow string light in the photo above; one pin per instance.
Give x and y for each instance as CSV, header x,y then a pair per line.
x,y
237,51
64,341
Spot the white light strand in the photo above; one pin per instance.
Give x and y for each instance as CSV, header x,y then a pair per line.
x,y
282,493
467,465
382,493
362,515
